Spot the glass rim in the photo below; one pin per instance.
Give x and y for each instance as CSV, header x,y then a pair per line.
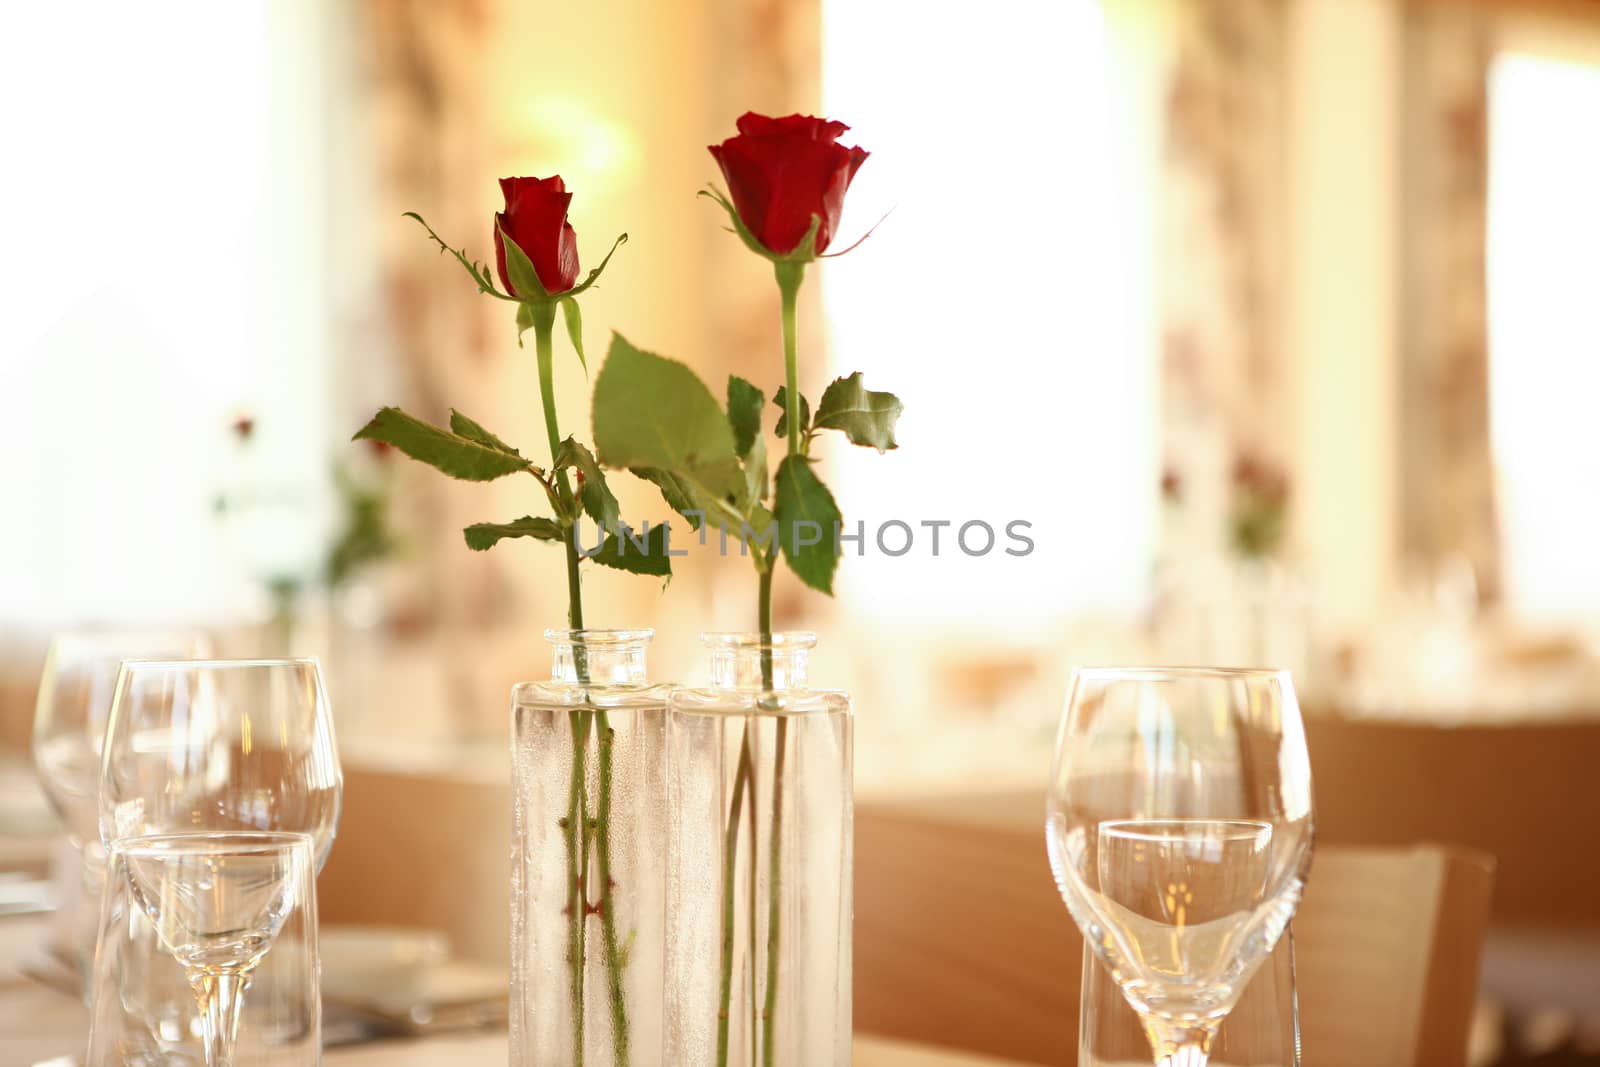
x,y
1176,673
222,664
205,842
737,640
599,636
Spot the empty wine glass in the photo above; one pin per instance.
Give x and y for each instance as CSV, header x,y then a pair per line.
x,y
75,690
1180,834
202,753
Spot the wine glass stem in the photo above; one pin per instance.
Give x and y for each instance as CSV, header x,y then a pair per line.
x,y
219,995
1179,1046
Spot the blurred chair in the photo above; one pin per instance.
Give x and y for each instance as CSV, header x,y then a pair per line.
x,y
1387,947
962,940
1523,791
424,850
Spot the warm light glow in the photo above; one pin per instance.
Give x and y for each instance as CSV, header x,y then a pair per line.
x,y
1544,330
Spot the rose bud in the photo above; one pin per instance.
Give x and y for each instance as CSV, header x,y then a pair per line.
x,y
781,172
536,219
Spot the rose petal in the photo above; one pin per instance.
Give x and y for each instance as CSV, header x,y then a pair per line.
x,y
536,219
782,171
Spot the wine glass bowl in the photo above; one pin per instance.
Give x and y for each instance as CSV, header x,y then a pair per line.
x,y
1179,830
221,746
216,901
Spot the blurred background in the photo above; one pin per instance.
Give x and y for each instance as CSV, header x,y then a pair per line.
x,y
1276,320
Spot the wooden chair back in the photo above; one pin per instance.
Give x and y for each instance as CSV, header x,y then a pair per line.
x,y
423,850
962,941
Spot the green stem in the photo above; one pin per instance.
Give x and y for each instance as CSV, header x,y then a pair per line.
x,y
764,621
578,825
544,319
575,829
769,1011
730,860
606,740
790,276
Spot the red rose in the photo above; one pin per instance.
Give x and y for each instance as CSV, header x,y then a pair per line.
x,y
536,219
781,172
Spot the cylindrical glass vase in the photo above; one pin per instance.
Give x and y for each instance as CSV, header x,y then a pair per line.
x,y
759,902
589,858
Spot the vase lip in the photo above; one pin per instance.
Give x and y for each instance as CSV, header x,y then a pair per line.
x,y
782,640
600,638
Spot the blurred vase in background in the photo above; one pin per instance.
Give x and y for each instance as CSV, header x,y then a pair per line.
x,y
759,907
588,869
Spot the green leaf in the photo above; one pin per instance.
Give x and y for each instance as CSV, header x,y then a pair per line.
x,y
457,455
806,512
524,279
744,412
574,317
655,413
473,431
645,555
782,399
598,501
675,491
762,538
483,535
754,489
867,418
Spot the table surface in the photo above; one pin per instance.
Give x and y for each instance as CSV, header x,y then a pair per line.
x,y
38,1024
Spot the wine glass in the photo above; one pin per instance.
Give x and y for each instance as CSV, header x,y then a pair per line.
x,y
1180,834
69,726
210,751
69,721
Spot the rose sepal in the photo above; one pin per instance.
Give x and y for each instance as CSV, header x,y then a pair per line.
x,y
594,275
479,271
804,252
533,295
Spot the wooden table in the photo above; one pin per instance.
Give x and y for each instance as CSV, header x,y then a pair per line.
x,y
38,1024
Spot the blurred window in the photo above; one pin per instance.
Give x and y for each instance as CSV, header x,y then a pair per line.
x,y
1007,299
1544,330
160,276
